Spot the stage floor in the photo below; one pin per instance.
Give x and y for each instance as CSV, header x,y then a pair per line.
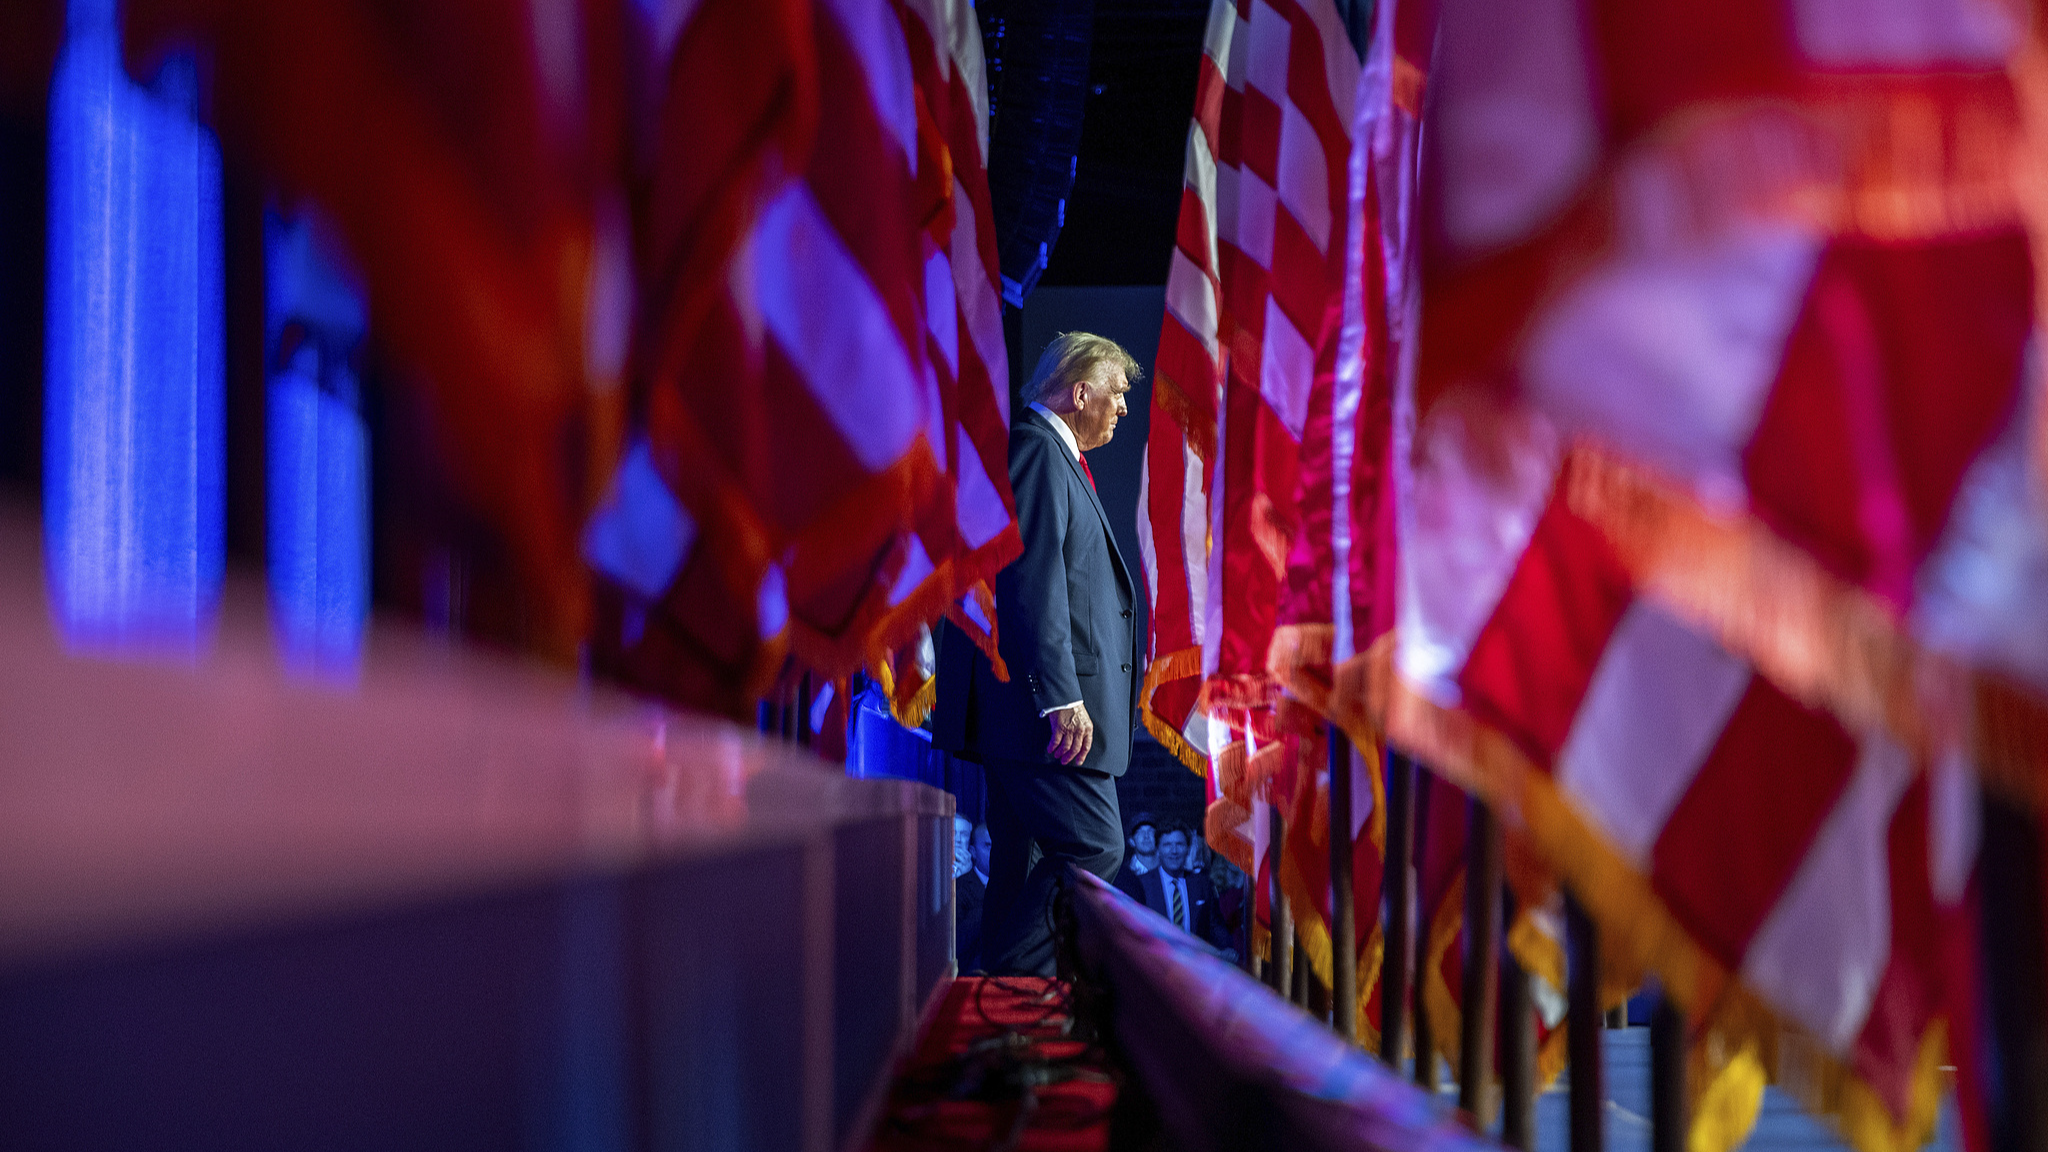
x,y
966,1085
953,1092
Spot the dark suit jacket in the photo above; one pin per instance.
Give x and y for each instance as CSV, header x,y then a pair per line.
x,y
1065,619
968,894
1131,882
1203,920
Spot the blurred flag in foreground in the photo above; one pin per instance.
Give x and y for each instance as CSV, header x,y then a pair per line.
x,y
465,153
1720,397
815,353
964,316
1256,279
701,298
1336,607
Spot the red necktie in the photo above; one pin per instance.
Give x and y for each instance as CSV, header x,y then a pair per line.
x,y
1087,471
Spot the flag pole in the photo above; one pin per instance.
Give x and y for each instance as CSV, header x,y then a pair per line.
x,y
1667,1077
1280,966
1583,1027
1397,899
1411,896
1309,995
1245,925
1302,991
1482,959
2014,954
1343,913
1517,1042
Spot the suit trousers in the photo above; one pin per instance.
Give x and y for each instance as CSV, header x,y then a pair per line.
x,y
1042,818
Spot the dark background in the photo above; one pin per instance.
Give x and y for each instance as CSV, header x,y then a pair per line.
x,y
1142,65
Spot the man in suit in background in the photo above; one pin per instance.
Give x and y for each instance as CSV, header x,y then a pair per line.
x,y
1142,855
1183,897
981,846
969,891
1055,736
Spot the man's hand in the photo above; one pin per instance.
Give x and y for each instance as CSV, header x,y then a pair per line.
x,y
1073,734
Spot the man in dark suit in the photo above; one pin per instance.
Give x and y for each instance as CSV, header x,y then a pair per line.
x,y
1056,735
1185,898
969,891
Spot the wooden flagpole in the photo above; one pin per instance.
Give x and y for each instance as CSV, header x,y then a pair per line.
x,y
1517,1044
1280,967
1482,959
1343,913
1583,1028
1397,905
1425,1029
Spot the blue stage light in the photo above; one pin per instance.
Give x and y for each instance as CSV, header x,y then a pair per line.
x,y
133,416
316,452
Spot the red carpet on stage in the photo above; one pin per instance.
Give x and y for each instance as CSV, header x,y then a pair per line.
x,y
995,1069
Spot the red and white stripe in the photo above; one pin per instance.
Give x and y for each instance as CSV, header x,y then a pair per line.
x,y
964,300
1282,184
1173,521
1256,272
1340,578
820,340
1846,378
1793,852
957,552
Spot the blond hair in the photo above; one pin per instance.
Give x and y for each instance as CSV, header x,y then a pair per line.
x,y
1075,356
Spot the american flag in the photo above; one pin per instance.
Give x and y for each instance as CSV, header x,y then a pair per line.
x,y
820,350
1256,279
972,532
1721,395
1173,526
735,350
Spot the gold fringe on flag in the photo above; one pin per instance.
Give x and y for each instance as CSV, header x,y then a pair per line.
x,y
1220,827
1236,692
1198,427
1312,930
1735,1031
1316,938
1300,660
1179,665
911,707
1538,954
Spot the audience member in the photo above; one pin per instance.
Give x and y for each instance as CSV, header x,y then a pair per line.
x,y
1142,855
1233,896
963,846
982,844
970,887
1184,898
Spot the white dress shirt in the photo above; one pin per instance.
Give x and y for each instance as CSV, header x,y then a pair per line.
x,y
1059,426
1066,437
